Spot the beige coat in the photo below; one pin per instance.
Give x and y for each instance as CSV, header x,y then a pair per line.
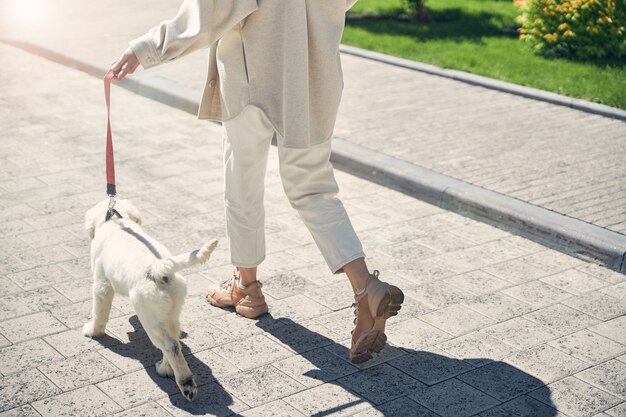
x,y
279,55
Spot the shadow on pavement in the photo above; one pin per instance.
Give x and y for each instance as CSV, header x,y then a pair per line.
x,y
450,387
212,399
409,382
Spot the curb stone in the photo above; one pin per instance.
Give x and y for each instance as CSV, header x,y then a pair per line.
x,y
567,234
506,87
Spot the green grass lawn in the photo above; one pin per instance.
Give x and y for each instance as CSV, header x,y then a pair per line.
x,y
479,36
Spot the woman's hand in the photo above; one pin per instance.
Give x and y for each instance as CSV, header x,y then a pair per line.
x,y
124,65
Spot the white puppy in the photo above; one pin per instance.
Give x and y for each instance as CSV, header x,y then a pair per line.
x,y
126,261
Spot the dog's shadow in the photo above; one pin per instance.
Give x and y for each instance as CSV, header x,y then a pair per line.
x,y
447,386
212,399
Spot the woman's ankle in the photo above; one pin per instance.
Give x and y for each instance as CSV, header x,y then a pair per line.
x,y
246,276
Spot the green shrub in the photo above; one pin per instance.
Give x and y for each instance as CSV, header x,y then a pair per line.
x,y
583,29
416,9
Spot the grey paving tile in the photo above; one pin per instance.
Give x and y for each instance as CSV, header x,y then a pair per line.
x,y
478,282
523,406
617,290
430,366
498,306
501,380
29,327
150,409
546,363
77,314
561,319
380,383
76,289
195,308
589,346
401,407
301,337
423,271
240,327
516,271
614,329
477,348
133,389
79,371
29,302
26,355
24,387
480,232
617,411
601,272
453,398
253,352
132,356
23,411
415,334
574,281
200,335
334,296
36,257
4,342
552,261
575,397
286,284
40,277
327,399
537,293
9,287
602,306
520,332
278,408
315,367
444,242
73,342
212,399
389,352
42,238
437,294
457,320
609,376
297,308
87,401
252,386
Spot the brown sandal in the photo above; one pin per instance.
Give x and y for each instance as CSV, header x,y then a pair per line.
x,y
383,300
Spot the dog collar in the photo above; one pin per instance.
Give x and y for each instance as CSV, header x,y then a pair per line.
x,y
110,213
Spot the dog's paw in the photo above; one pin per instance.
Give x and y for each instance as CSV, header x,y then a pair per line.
x,y
163,368
90,331
188,388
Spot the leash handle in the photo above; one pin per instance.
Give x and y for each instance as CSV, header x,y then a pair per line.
x,y
110,162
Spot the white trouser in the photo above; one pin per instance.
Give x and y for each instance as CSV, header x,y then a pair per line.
x,y
308,181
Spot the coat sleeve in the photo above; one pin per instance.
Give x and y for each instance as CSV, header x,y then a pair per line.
x,y
198,24
349,4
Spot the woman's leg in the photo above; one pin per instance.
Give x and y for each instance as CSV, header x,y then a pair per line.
x,y
310,185
247,140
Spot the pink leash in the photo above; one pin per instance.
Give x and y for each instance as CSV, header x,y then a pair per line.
x,y
110,162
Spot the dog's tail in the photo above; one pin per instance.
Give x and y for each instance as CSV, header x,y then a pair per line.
x,y
176,263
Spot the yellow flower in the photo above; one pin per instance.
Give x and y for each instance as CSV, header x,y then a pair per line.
x,y
563,26
569,33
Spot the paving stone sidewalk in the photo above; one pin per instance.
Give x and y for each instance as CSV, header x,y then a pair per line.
x,y
493,324
558,158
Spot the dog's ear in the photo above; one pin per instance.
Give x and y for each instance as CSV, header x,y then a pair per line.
x,y
133,214
90,225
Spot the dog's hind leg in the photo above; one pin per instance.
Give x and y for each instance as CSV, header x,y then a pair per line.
x,y
102,299
172,355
